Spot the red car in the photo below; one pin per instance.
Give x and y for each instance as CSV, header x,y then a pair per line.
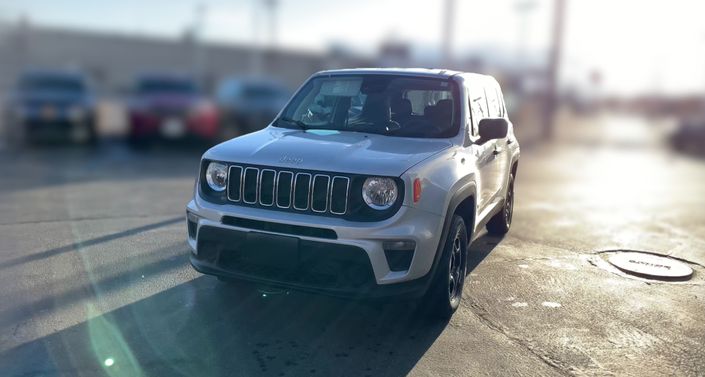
x,y
170,107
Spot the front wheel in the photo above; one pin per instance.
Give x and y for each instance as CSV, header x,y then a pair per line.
x,y
446,289
499,224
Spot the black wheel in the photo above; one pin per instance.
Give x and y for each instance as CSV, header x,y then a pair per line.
x,y
499,224
446,290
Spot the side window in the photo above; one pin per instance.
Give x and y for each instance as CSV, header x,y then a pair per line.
x,y
493,103
502,107
471,118
478,106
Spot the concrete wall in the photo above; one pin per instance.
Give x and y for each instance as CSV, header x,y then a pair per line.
x,y
113,60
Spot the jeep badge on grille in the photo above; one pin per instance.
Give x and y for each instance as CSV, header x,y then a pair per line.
x,y
291,160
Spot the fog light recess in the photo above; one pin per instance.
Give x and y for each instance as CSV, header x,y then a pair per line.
x,y
399,254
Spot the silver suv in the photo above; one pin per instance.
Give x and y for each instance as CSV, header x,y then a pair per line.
x,y
370,182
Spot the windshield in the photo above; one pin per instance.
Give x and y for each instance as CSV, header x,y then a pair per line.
x,y
384,104
168,86
63,84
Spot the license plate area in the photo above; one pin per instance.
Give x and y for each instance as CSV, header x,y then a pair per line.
x,y
173,128
271,250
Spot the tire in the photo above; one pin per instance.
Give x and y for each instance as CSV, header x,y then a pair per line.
x,y
446,290
500,223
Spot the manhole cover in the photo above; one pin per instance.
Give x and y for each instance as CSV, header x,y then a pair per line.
x,y
650,265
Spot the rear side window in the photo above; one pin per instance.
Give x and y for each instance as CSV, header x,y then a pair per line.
x,y
493,103
478,105
502,107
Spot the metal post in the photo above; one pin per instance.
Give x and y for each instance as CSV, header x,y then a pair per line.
x,y
272,10
199,52
523,8
554,60
447,34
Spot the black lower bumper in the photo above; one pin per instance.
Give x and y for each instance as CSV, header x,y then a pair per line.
x,y
38,130
315,266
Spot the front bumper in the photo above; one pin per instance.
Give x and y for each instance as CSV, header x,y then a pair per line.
x,y
37,129
154,126
351,262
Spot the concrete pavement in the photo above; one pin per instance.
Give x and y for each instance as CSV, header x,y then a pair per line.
x,y
94,277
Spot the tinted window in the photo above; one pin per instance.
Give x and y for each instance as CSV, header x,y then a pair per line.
x,y
500,97
385,104
493,103
153,86
52,83
478,105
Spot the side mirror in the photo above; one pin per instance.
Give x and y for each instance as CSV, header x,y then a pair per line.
x,y
493,128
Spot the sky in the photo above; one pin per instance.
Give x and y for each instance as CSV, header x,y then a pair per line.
x,y
636,45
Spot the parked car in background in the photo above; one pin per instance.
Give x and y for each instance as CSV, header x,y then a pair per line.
x,y
51,105
249,104
689,136
170,107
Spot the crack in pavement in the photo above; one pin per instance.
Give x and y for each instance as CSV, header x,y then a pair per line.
x,y
484,317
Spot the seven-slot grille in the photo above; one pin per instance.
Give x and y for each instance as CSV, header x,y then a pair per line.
x,y
288,190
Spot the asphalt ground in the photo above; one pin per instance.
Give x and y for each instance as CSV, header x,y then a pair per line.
x,y
95,280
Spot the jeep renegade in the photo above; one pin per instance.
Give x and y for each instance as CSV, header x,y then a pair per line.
x,y
370,182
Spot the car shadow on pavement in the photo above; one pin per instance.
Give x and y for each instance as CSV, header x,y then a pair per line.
x,y
91,242
480,249
207,328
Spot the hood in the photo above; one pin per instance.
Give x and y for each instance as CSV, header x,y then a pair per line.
x,y
344,152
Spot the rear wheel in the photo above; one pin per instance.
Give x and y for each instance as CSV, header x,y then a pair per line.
x,y
446,291
499,224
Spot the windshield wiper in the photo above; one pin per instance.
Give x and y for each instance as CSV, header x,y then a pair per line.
x,y
298,123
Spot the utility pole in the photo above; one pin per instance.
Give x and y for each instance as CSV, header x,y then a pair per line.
x,y
447,34
199,52
271,6
256,53
523,8
554,60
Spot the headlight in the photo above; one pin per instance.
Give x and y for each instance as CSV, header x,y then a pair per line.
x,y
217,176
76,113
379,193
